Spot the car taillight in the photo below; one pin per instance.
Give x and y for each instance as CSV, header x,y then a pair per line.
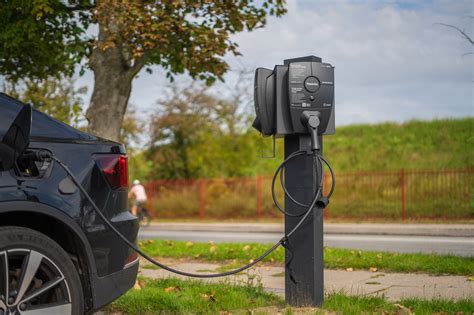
x,y
114,168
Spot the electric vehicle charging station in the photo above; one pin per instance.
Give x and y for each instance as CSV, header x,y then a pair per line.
x,y
296,101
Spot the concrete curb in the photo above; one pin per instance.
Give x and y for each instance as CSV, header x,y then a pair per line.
x,y
450,230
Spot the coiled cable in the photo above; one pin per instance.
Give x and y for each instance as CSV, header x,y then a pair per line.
x,y
282,241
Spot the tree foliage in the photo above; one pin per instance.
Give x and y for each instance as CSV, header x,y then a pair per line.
x,y
197,134
132,129
42,38
179,121
59,98
186,35
49,37
116,39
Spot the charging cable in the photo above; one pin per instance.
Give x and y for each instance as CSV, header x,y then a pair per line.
x,y
41,155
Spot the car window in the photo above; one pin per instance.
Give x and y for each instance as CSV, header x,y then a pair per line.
x,y
42,124
45,126
8,112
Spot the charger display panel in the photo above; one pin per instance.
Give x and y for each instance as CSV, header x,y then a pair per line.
x,y
310,87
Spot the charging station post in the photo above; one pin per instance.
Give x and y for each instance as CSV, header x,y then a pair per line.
x,y
304,286
295,101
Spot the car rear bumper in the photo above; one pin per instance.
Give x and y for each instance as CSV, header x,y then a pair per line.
x,y
108,288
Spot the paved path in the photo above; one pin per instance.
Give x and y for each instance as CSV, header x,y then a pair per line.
x,y
462,246
455,230
393,286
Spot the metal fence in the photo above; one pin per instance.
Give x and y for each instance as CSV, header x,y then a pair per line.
x,y
403,195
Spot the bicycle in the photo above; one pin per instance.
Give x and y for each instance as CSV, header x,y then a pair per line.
x,y
143,215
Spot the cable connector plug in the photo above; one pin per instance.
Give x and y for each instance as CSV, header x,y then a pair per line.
x,y
322,202
310,119
39,155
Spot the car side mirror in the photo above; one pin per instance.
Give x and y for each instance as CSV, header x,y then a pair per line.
x,y
16,139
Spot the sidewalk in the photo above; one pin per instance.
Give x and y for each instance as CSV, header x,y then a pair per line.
x,y
394,286
451,230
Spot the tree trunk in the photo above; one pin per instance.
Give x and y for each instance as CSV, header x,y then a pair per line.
x,y
112,88
114,70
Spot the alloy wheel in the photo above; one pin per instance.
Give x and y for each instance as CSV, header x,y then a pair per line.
x,y
32,284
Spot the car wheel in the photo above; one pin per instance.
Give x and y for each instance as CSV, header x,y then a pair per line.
x,y
36,275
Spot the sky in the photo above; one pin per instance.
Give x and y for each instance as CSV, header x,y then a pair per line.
x,y
392,61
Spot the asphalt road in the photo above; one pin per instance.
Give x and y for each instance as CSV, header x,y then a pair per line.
x,y
461,246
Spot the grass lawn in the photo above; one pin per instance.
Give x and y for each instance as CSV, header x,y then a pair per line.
x,y
334,258
189,296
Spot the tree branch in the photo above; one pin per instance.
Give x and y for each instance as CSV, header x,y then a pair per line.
x,y
138,64
459,30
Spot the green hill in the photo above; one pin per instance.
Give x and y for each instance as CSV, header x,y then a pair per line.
x,y
437,144
442,143
414,145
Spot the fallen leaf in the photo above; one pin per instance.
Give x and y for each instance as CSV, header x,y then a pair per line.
x,y
373,269
246,248
402,310
470,279
210,297
137,285
169,289
213,249
172,289
349,269
189,244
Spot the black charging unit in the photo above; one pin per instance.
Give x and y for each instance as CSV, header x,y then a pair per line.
x,y
296,101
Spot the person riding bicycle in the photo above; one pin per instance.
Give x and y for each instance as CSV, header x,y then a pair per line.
x,y
138,194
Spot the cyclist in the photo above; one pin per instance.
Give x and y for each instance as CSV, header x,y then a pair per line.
x,y
138,194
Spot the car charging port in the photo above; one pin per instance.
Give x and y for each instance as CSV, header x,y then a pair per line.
x,y
34,164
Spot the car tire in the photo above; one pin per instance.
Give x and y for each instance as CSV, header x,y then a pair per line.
x,y
36,274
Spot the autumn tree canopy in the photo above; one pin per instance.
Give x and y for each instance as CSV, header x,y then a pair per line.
x,y
116,39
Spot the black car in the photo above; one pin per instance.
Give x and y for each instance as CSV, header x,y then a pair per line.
x,y
56,254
